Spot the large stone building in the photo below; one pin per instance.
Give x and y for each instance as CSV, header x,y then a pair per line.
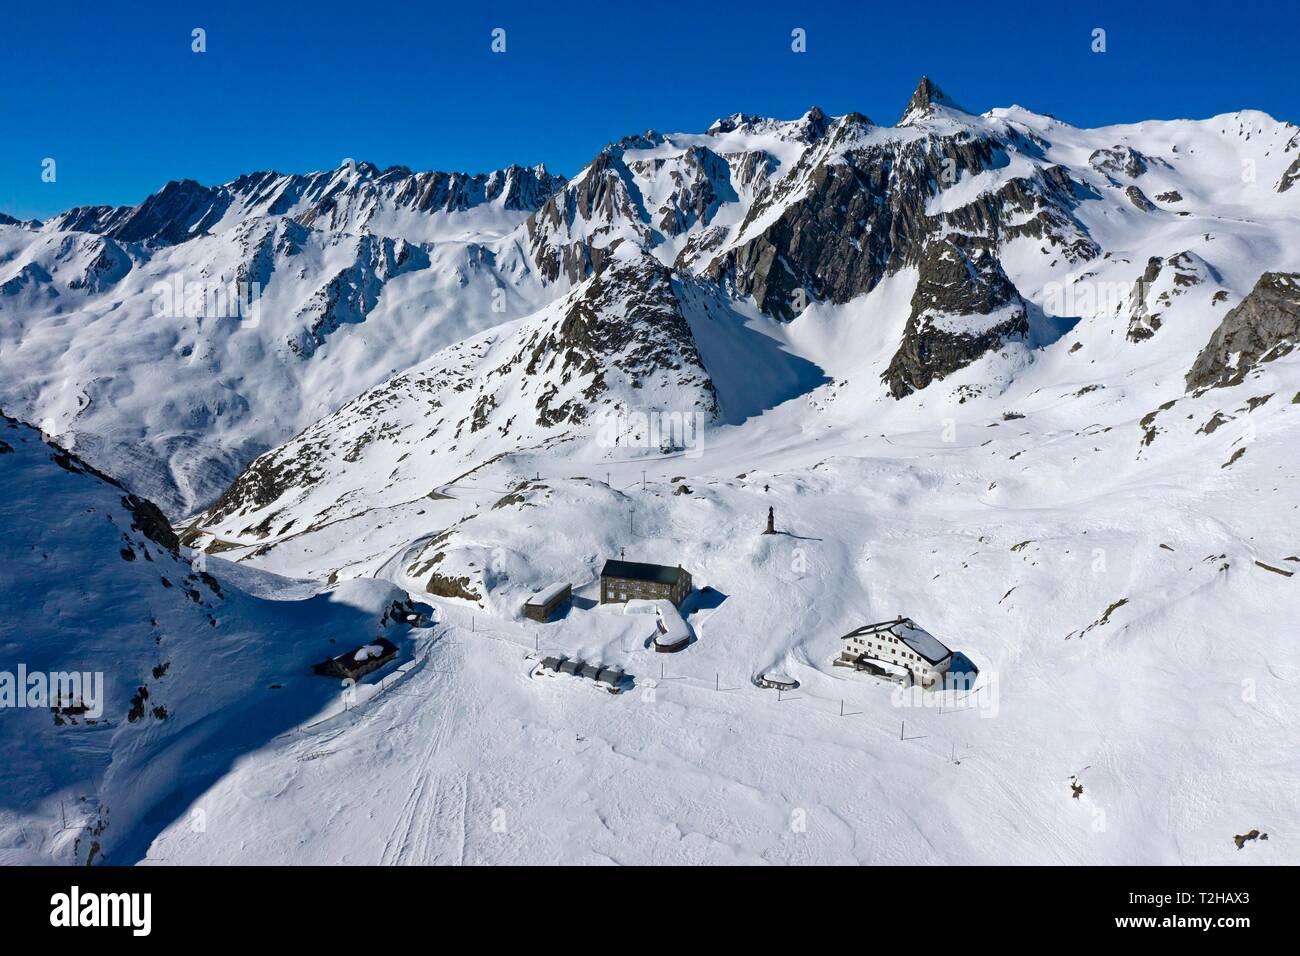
x,y
900,644
630,580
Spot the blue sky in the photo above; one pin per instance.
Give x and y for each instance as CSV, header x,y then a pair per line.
x,y
115,95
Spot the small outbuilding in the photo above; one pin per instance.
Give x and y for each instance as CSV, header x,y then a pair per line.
x,y
611,677
672,633
359,661
547,601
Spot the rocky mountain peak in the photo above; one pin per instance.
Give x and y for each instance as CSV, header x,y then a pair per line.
x,y
926,97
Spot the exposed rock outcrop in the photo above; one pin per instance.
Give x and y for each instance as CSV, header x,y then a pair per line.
x,y
963,307
1161,284
1119,161
1264,326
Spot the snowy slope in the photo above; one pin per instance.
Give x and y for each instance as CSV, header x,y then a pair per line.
x,y
194,672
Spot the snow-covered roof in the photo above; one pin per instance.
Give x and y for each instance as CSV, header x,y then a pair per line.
x,y
888,667
548,594
675,630
921,641
915,637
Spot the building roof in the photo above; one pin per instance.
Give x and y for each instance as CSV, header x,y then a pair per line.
x,y
918,639
636,571
547,594
921,641
673,630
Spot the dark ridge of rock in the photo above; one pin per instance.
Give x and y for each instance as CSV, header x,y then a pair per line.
x,y
1139,199
858,217
861,216
1290,177
628,318
177,212
184,209
1187,270
148,519
606,197
1264,326
350,295
958,284
108,266
699,190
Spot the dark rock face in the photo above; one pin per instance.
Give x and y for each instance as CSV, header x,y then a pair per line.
x,y
1264,326
1143,323
863,216
604,201
858,220
963,307
627,318
178,211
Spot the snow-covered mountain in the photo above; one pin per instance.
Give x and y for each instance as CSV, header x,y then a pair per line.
x,y
1031,385
357,274
176,340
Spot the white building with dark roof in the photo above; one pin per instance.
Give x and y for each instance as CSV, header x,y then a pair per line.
x,y
899,643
